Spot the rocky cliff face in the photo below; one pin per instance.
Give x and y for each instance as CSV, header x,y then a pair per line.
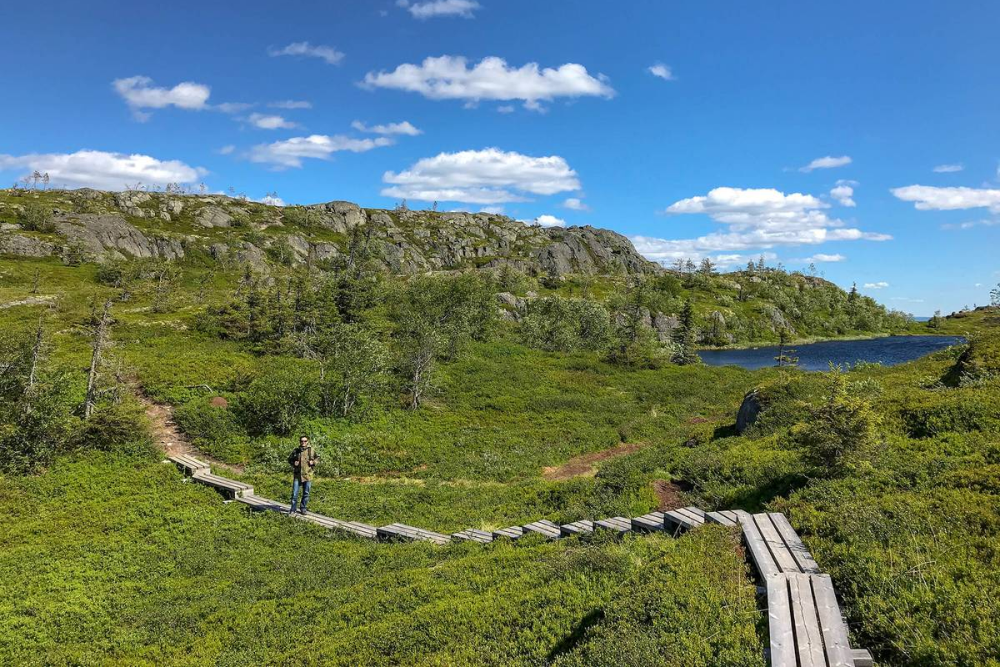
x,y
141,224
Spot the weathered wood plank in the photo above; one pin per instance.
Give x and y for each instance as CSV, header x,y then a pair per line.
x,y
720,518
683,519
759,553
779,623
401,531
648,522
584,527
808,638
544,527
189,465
779,551
862,658
473,535
618,524
512,533
695,511
838,646
793,542
229,487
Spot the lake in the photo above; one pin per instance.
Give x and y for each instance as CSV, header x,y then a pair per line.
x,y
888,351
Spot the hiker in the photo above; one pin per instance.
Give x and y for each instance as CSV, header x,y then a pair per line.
x,y
303,460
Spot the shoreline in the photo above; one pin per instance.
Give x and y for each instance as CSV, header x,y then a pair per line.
x,y
817,339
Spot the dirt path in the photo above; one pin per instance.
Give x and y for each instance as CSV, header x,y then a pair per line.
x,y
583,465
170,439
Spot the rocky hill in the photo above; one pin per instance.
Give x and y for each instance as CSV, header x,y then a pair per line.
x,y
102,225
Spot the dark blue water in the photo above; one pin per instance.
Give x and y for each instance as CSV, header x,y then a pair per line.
x,y
888,351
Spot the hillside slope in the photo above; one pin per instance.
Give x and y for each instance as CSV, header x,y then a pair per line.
x,y
171,226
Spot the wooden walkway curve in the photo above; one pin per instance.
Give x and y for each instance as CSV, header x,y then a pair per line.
x,y
805,625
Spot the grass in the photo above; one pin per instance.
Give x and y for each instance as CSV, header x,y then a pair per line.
x,y
111,559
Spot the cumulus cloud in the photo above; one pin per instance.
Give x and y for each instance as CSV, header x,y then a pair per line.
x,y
103,170
495,210
327,54
843,193
930,198
291,152
291,104
488,176
391,128
140,93
270,122
828,162
451,78
661,71
948,168
574,204
823,257
226,150
435,8
756,218
549,221
986,222
879,285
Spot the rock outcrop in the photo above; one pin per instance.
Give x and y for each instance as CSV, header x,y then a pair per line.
x,y
103,236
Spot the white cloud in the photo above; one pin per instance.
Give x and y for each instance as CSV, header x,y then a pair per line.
x,y
828,162
930,198
291,152
843,193
391,128
549,221
756,218
822,257
270,122
226,150
328,54
574,204
948,168
879,285
291,104
139,93
232,107
451,78
488,176
272,200
505,108
495,210
102,170
661,71
986,222
434,8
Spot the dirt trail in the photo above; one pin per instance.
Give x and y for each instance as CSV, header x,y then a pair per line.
x,y
583,465
169,438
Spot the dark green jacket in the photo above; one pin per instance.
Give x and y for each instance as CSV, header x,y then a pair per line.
x,y
307,462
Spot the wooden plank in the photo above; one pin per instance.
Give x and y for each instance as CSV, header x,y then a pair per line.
x,y
862,658
782,556
584,527
229,487
759,552
720,518
473,535
794,543
838,646
648,522
188,464
361,529
731,515
808,638
618,524
779,623
401,531
544,527
695,511
512,533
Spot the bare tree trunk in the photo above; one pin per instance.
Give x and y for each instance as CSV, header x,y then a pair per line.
x,y
95,361
35,353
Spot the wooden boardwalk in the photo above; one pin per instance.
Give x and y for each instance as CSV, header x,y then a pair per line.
x,y
805,624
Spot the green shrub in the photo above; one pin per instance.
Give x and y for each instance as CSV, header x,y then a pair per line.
x,y
843,429
566,325
36,217
275,398
212,428
120,428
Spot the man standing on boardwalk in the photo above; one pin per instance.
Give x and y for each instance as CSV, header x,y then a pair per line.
x,y
303,460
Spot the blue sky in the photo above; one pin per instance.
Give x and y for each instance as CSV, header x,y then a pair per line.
x,y
687,126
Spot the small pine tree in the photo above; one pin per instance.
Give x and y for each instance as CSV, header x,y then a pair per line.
x,y
785,354
686,337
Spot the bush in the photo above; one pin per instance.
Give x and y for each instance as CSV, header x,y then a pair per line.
x,y
121,428
35,217
209,426
843,429
277,397
37,425
565,325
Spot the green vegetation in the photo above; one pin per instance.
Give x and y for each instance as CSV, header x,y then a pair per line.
x,y
432,407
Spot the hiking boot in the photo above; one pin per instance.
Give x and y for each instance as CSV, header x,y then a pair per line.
x,y
302,511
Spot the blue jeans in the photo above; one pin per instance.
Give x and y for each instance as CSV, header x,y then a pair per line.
x,y
306,487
